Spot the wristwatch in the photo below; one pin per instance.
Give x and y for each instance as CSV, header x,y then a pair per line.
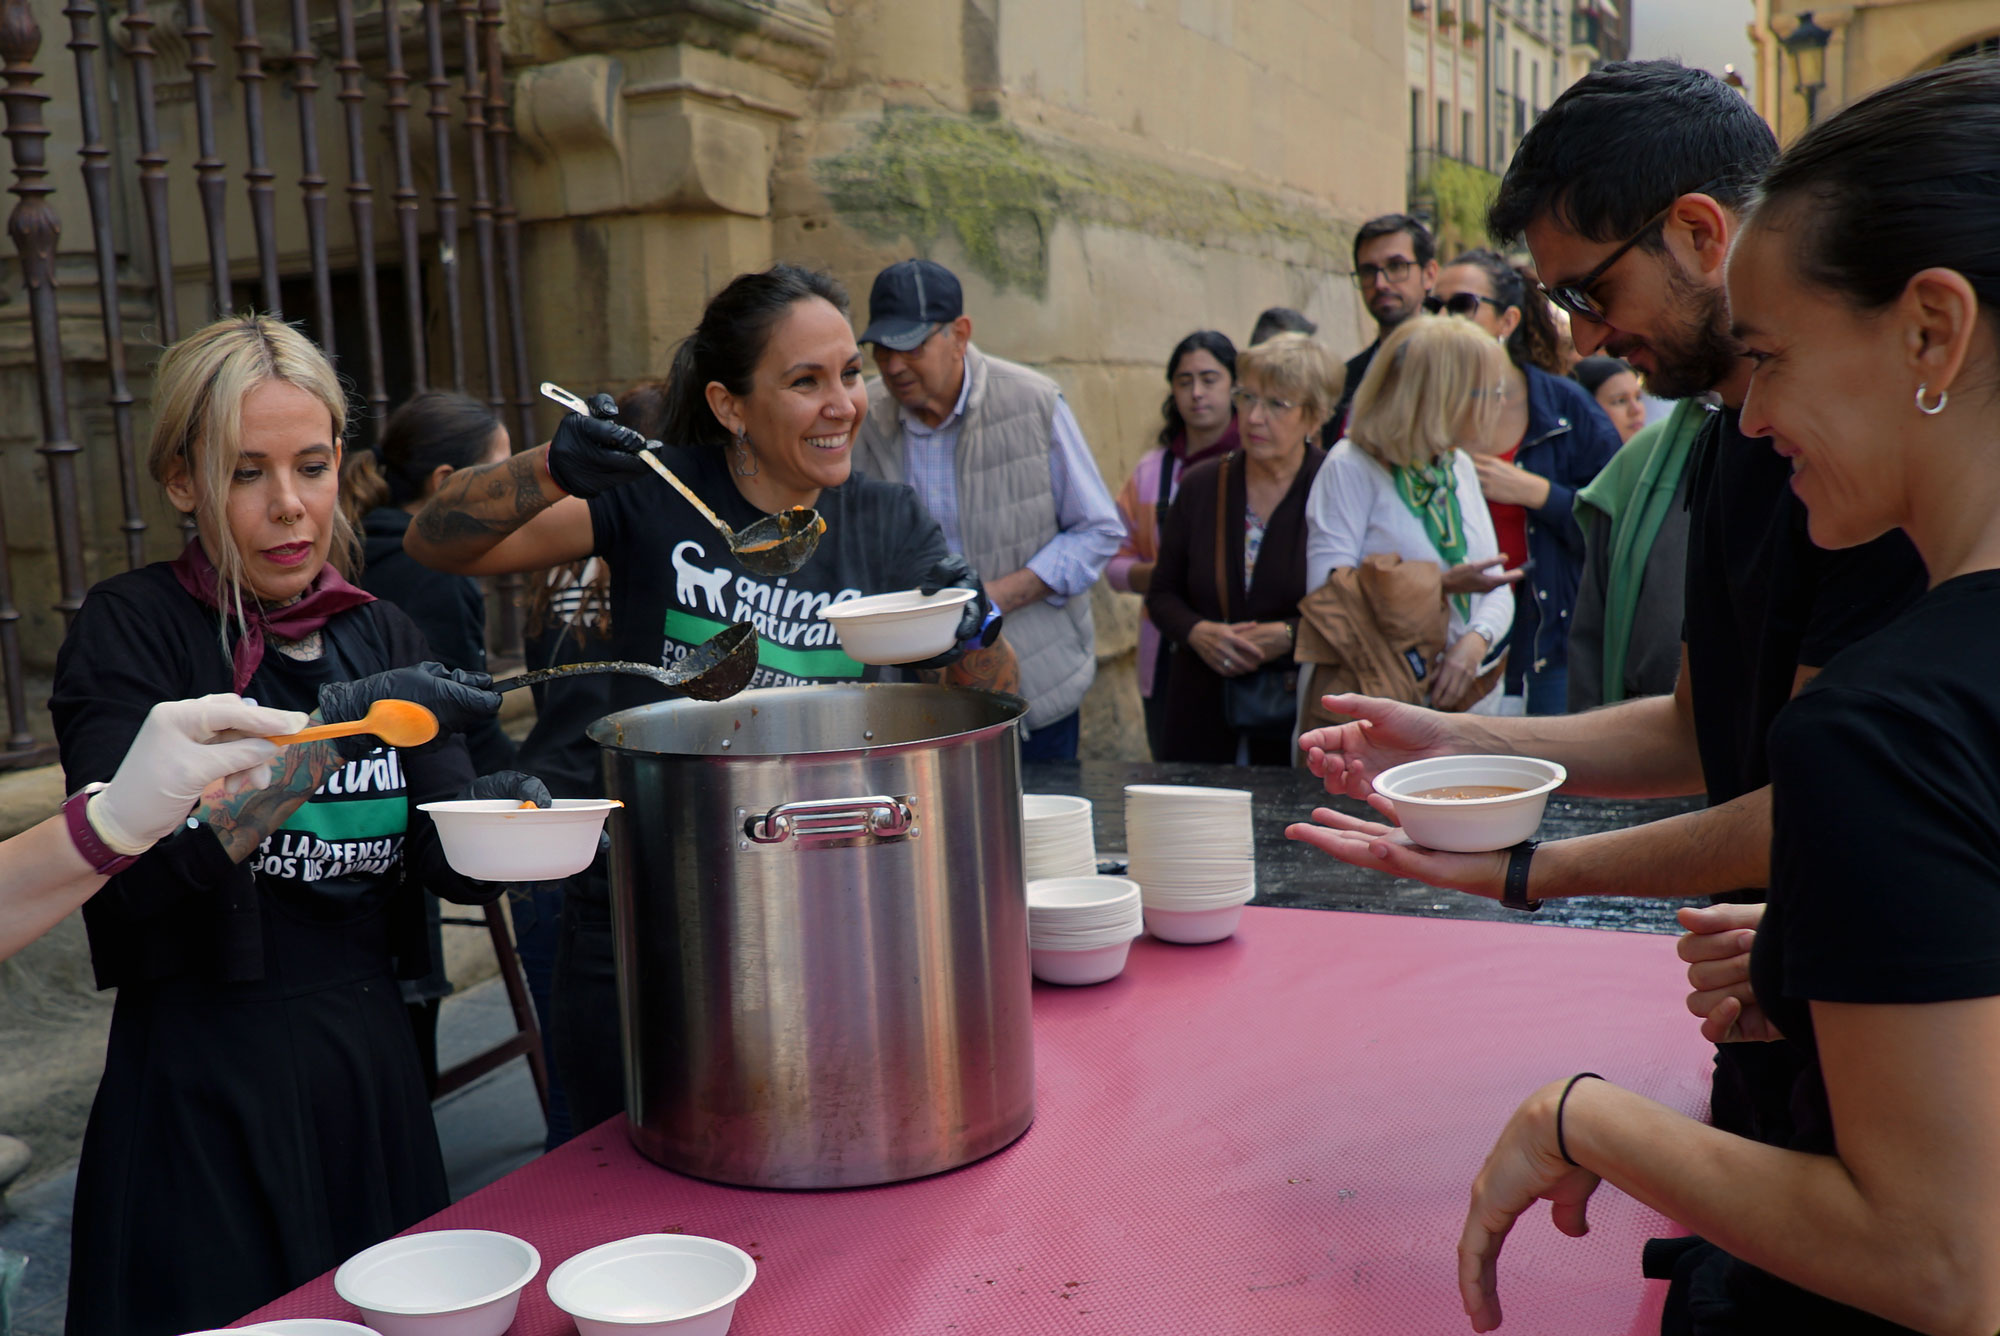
x,y
1515,893
103,860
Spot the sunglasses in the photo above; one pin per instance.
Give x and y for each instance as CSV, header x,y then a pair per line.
x,y
1461,303
1575,297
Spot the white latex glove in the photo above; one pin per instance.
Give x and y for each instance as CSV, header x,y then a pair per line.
x,y
184,747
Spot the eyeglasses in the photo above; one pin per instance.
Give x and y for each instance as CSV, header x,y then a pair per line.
x,y
1461,303
1575,297
1395,271
1275,407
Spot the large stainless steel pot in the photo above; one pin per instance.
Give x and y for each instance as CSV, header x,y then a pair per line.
x,y
822,932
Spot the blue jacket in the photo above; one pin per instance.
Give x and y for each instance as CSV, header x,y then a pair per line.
x,y
1569,439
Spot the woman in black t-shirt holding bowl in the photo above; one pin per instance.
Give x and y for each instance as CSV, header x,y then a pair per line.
x,y
764,403
1866,288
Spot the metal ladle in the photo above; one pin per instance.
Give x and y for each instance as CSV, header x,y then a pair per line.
x,y
775,545
716,669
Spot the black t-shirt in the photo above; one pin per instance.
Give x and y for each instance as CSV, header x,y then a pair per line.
x,y
674,582
1762,599
184,907
337,853
1885,858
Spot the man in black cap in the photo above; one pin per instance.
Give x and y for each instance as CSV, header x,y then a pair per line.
x,y
997,456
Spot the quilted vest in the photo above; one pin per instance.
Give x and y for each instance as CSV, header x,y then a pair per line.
x,y
1006,514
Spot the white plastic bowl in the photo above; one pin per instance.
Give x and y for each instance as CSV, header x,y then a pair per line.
x,y
497,839
1193,926
678,1283
1091,965
447,1282
897,628
310,1326
1471,825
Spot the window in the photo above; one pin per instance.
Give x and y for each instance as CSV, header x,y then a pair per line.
x,y
1443,140
1535,77
1465,134
1416,120
1516,85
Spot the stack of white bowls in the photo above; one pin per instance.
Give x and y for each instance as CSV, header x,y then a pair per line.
x,y
1081,928
1191,853
1056,836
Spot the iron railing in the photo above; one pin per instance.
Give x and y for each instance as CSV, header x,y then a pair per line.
x,y
252,269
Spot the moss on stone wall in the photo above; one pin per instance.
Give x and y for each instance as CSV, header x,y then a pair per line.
x,y
920,175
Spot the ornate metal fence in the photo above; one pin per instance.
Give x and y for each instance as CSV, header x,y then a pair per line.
x,y
254,267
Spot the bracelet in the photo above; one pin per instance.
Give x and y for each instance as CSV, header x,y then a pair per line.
x,y
102,858
1562,1147
1514,893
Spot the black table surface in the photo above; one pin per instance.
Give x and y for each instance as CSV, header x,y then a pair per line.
x,y
1301,877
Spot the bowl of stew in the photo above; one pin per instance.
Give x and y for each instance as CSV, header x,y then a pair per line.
x,y
1470,804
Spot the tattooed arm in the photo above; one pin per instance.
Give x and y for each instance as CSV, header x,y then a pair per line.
x,y
242,822
992,669
500,518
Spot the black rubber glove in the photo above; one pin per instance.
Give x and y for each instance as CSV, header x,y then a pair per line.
x,y
589,455
459,700
513,784
978,623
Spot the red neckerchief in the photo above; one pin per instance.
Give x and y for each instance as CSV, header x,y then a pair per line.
x,y
326,598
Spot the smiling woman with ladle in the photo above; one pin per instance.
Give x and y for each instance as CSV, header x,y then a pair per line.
x,y
764,405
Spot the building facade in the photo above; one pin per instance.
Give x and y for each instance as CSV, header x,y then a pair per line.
x,y
1866,46
1479,72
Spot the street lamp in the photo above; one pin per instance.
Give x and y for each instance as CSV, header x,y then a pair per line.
x,y
1807,43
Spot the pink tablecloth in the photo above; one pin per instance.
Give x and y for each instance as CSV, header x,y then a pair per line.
x,y
1274,1134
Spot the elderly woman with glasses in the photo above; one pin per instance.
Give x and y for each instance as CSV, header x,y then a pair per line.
x,y
1549,439
1232,564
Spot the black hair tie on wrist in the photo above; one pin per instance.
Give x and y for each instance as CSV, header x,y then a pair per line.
x,y
1562,1147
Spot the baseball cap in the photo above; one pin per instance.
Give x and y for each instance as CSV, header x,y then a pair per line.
x,y
908,298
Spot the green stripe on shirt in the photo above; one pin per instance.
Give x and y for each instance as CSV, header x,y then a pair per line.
x,y
356,819
807,663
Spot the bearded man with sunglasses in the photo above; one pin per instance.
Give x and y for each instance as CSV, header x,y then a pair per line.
x,y
1628,191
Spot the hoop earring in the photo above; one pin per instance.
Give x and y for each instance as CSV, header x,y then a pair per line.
x,y
1932,410
742,448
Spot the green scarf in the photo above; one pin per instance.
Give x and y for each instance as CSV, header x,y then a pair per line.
x,y
1431,493
1632,496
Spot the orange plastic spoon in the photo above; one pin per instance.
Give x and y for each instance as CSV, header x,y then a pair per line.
x,y
399,723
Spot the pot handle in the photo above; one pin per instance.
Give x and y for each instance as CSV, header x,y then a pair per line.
x,y
878,817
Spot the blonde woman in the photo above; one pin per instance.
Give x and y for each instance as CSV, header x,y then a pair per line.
x,y
1232,564
1401,482
262,1113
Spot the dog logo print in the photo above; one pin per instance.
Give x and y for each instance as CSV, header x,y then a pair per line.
x,y
687,576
